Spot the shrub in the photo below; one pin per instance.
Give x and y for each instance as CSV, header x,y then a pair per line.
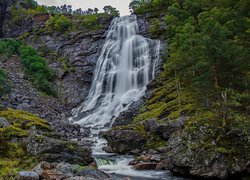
x,y
9,47
37,69
58,23
4,83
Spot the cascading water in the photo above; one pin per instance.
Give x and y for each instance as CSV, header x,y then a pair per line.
x,y
126,65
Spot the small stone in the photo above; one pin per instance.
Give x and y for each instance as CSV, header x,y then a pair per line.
x,y
134,162
93,164
28,175
4,123
51,174
155,157
145,157
162,149
151,125
159,166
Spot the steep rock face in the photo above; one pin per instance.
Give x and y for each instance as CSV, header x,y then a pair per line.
x,y
4,13
188,154
81,51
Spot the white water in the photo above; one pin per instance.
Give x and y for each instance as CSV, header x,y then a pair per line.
x,y
126,65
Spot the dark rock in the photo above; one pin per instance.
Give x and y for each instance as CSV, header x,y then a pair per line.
x,y
120,140
186,154
151,125
166,130
160,166
134,162
162,149
94,174
4,123
145,166
135,151
155,157
127,116
56,150
28,175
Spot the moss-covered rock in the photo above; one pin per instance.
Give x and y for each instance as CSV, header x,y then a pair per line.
x,y
206,149
29,139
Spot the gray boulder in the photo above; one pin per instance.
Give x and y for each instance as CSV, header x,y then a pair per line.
x,y
123,141
4,123
28,175
151,125
166,130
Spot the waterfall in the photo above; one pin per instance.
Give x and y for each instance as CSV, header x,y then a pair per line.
x,y
123,70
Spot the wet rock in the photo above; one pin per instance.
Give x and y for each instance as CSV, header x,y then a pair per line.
x,y
134,162
93,164
151,125
28,175
127,116
145,166
4,123
94,174
120,140
160,166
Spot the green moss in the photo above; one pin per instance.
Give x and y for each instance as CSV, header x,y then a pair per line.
x,y
154,141
24,120
13,154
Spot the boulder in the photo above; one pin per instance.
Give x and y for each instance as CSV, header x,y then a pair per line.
x,y
4,123
151,125
28,175
123,141
145,166
93,174
166,130
57,150
195,152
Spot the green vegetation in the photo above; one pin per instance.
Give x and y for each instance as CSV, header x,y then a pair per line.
x,y
4,83
62,19
58,23
13,155
35,66
206,77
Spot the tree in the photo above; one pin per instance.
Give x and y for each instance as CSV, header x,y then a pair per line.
x,y
110,10
90,11
96,10
78,12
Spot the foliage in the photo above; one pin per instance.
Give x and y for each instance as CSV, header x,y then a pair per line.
x,y
4,83
35,66
206,77
58,23
111,11
9,47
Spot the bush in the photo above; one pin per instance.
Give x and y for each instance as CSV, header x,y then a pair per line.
x,y
37,69
4,83
35,66
58,23
9,47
